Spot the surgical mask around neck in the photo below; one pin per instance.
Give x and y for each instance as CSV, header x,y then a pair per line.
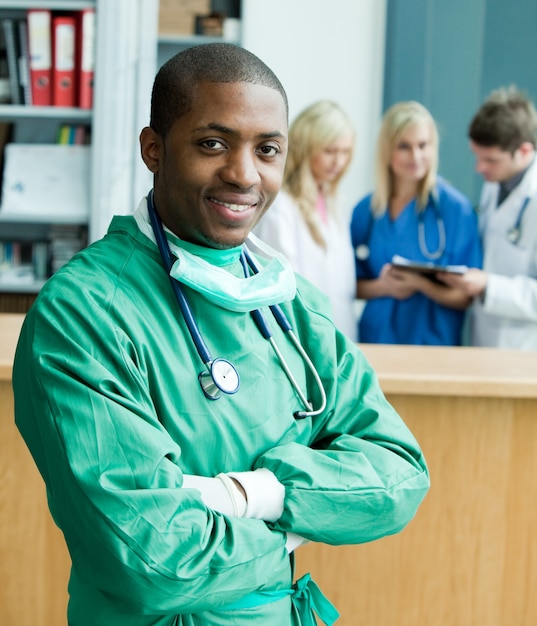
x,y
273,284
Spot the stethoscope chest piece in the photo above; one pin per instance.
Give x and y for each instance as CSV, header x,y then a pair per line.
x,y
362,252
221,376
513,235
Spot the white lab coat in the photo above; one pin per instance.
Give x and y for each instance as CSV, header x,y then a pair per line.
x,y
507,318
330,269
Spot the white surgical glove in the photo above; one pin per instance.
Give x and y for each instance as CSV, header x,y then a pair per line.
x,y
294,541
264,493
219,494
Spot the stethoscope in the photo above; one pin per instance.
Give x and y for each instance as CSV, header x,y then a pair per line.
x,y
515,232
363,250
220,375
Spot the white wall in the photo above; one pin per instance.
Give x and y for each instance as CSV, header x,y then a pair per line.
x,y
326,49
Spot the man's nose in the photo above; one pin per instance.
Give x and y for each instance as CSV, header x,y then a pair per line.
x,y
241,169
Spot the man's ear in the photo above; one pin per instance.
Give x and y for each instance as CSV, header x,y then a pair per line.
x,y
526,148
151,148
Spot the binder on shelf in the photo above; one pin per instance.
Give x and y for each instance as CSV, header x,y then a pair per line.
x,y
11,37
4,71
40,49
63,60
47,182
24,62
85,57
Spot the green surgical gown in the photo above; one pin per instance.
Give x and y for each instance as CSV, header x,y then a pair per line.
x,y
108,401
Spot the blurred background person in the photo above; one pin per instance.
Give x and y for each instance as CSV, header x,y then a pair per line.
x,y
415,214
503,135
308,222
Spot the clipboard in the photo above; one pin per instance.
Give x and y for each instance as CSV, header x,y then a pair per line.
x,y
426,269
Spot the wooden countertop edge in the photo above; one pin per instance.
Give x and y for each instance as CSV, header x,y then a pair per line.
x,y
463,387
404,370
448,371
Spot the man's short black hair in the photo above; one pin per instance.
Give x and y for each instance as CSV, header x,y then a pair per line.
x,y
215,62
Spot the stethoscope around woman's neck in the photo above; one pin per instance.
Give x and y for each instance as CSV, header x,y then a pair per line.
x,y
363,251
220,375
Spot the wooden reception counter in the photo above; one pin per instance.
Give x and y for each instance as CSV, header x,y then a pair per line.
x,y
34,563
469,558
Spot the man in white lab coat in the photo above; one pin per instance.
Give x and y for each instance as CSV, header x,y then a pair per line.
x,y
503,138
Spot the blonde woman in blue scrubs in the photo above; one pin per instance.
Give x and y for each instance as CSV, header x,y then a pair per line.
x,y
415,214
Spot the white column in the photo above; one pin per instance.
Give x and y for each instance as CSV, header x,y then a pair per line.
x,y
124,71
326,50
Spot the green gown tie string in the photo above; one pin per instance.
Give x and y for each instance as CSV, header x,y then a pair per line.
x,y
306,596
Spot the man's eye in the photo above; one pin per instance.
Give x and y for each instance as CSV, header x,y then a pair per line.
x,y
269,150
212,144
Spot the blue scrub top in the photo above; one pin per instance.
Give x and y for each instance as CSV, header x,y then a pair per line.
x,y
416,320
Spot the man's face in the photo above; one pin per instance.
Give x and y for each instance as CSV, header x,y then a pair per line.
x,y
496,165
221,164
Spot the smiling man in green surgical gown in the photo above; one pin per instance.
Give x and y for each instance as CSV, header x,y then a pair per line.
x,y
179,509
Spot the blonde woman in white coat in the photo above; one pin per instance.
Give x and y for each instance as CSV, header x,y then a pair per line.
x,y
307,222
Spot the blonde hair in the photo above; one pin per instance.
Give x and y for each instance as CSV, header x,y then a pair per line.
x,y
315,128
395,122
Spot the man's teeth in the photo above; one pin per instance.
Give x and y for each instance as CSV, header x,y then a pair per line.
x,y
238,208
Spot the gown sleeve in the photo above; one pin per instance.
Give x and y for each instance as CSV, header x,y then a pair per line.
x,y
114,481
362,475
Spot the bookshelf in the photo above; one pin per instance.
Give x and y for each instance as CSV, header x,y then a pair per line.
x,y
217,21
112,174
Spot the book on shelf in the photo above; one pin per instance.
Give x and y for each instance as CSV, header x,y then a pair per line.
x,y
24,62
23,262
65,241
5,90
74,134
12,41
30,261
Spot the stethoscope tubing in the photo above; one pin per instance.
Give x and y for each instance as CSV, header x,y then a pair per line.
x,y
208,380
422,239
280,317
167,258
